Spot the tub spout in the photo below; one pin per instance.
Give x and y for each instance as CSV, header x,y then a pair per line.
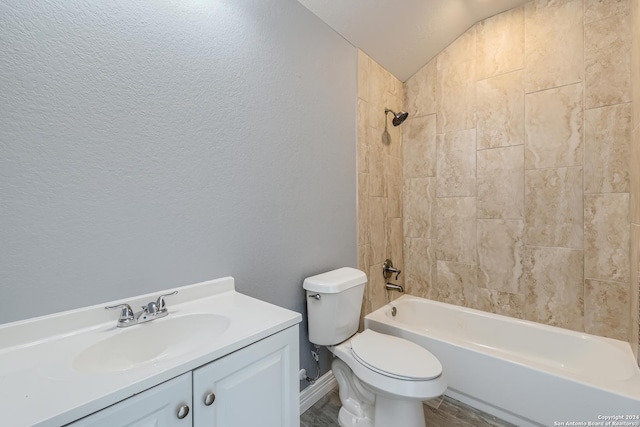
x,y
392,287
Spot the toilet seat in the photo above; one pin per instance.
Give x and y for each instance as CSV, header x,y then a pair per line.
x,y
388,384
394,357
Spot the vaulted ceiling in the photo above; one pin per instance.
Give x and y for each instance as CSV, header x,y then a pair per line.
x,y
403,35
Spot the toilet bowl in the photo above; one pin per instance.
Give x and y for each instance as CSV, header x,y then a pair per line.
x,y
382,379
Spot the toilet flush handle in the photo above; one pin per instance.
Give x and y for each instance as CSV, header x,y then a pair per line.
x,y
315,296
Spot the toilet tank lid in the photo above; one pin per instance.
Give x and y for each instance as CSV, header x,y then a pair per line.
x,y
335,281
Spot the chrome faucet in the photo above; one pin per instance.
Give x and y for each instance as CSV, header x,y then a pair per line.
x,y
151,311
392,287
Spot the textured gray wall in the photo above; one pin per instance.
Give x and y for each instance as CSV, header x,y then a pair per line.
x,y
152,144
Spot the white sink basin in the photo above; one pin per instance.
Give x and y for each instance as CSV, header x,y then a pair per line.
x,y
150,342
96,364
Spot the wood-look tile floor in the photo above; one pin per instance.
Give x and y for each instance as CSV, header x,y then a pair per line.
x,y
450,413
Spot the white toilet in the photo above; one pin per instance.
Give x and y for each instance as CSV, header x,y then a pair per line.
x,y
382,379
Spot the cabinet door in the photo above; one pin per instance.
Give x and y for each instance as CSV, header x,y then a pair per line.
x,y
156,407
255,386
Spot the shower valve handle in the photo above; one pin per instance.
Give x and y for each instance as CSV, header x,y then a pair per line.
x,y
388,269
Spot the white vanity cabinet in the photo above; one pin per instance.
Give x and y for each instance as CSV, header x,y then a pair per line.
x,y
254,386
158,407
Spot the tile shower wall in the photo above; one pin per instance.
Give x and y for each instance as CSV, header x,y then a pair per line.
x,y
635,183
380,222
516,168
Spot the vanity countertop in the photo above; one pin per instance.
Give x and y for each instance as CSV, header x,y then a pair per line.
x,y
40,380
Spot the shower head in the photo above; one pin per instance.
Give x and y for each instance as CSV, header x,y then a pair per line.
x,y
398,117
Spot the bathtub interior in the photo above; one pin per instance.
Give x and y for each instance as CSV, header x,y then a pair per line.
x,y
523,372
529,342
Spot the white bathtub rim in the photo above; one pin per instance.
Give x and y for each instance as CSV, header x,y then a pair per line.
x,y
629,388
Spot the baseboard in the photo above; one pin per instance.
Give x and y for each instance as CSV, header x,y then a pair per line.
x,y
310,395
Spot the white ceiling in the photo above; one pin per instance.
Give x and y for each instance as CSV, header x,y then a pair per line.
x,y
403,35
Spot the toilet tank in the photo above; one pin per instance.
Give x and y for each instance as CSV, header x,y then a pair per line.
x,y
334,314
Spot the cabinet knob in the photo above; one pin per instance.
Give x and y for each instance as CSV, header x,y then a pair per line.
x,y
209,399
183,411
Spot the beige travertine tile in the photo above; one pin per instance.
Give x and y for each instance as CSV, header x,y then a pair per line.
x,y
500,116
500,43
635,288
382,84
553,43
460,50
394,148
594,10
455,95
456,229
393,102
363,257
635,61
635,206
397,88
378,165
419,146
363,143
634,337
363,208
390,84
375,288
394,87
383,76
607,61
607,149
500,245
364,76
377,84
554,207
554,128
507,304
456,164
363,118
554,286
606,236
419,211
376,116
377,228
605,309
635,176
501,183
363,264
395,243
395,250
394,187
481,299
420,267
420,91
363,157
456,283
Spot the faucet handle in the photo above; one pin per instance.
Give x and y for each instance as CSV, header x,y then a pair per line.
x,y
151,308
388,269
161,305
126,315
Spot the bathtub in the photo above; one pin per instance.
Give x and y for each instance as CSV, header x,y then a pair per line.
x,y
523,372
